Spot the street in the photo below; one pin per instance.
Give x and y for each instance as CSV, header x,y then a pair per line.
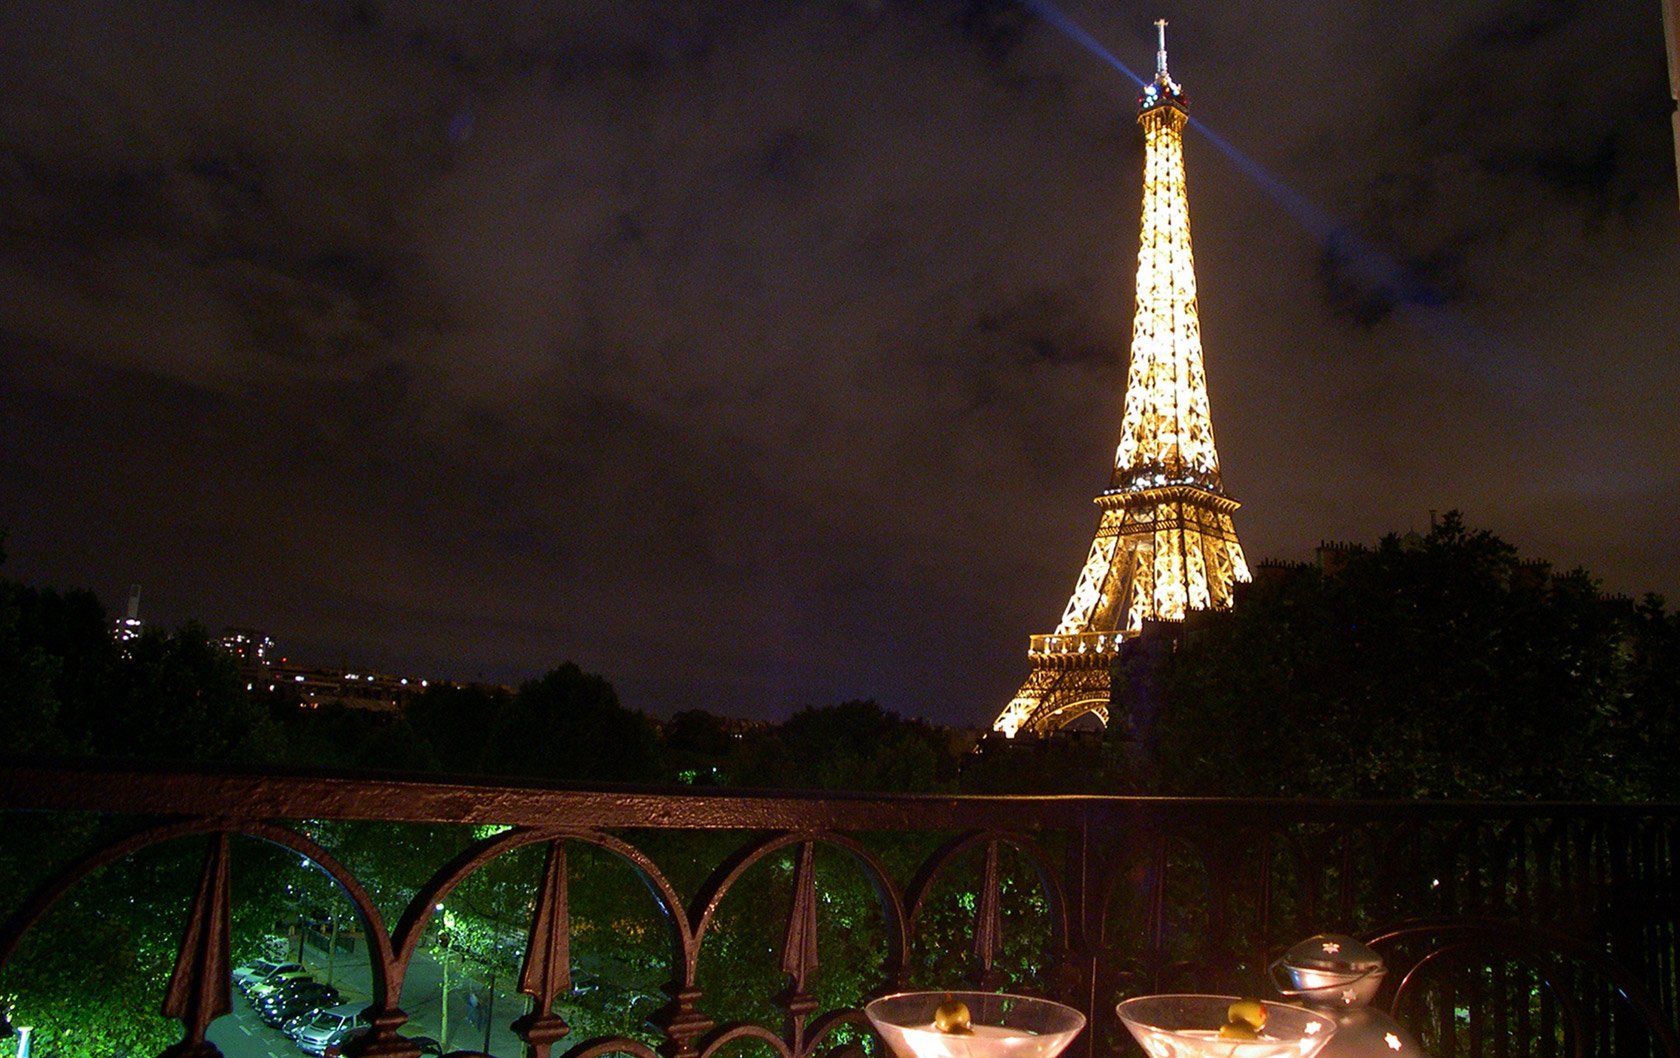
x,y
243,1034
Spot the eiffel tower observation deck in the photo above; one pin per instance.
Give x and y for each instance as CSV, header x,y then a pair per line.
x,y
1164,544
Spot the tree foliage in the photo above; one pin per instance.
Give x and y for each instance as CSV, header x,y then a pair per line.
x,y
1429,666
66,687
566,725
857,745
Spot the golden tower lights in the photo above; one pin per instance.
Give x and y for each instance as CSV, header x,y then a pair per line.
x,y
1164,544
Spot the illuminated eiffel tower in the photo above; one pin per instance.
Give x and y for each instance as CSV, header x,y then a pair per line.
x,y
1165,544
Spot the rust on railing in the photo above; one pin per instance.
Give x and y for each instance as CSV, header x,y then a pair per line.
x,y
1512,928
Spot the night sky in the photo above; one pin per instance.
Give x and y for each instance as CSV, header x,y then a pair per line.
x,y
759,355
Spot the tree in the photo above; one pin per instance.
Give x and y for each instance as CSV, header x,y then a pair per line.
x,y
29,702
56,657
1646,716
456,723
67,687
857,745
569,725
179,696
697,747
1433,666
336,735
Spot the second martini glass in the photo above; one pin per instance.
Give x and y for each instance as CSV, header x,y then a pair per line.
x,y
999,1026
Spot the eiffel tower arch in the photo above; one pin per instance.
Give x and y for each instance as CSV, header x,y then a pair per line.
x,y
1165,544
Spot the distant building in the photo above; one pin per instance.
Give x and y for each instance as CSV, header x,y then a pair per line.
x,y
267,671
254,650
361,690
1334,556
1271,571
128,628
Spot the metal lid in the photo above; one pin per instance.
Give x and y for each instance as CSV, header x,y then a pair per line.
x,y
1333,953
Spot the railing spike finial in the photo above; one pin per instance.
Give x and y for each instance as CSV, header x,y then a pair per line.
x,y
199,990
988,920
548,960
799,946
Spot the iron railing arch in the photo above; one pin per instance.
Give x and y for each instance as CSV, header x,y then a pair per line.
x,y
1591,890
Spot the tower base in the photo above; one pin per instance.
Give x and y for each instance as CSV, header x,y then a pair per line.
x,y
1060,690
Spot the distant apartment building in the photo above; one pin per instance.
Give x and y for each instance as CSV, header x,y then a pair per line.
x,y
253,649
267,671
127,628
315,687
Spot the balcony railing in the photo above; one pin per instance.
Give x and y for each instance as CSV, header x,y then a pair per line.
x,y
1510,929
1077,643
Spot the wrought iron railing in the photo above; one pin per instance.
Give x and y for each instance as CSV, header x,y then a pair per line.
x,y
1510,929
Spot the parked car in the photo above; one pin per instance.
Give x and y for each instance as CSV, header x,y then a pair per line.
x,y
257,971
330,1026
287,988
252,970
292,1026
287,1004
426,1044
275,981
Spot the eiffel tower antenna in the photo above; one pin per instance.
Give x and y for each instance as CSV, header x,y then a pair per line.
x,y
1164,545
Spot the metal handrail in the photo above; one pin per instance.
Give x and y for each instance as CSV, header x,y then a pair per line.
x,y
1115,874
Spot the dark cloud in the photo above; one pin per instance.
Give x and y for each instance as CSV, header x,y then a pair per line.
x,y
765,354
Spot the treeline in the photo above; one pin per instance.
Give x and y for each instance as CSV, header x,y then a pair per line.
x,y
1438,665
1428,666
67,688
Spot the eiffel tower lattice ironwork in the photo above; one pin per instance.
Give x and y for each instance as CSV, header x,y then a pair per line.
x,y
1165,544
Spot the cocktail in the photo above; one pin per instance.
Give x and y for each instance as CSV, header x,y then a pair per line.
x,y
1194,1026
973,1025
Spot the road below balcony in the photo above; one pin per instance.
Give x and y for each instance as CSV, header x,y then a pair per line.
x,y
243,1034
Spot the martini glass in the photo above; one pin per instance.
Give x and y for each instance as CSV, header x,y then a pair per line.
x,y
1004,1026
1187,1026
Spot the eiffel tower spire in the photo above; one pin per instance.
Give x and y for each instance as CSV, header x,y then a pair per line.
x,y
1164,544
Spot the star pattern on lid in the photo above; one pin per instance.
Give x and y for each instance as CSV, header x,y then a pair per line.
x,y
1392,1040
1331,947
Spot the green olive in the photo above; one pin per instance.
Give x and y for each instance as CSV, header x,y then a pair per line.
x,y
1236,1030
1249,1012
952,1017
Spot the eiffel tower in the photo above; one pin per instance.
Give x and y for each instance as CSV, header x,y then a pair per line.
x,y
1165,544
